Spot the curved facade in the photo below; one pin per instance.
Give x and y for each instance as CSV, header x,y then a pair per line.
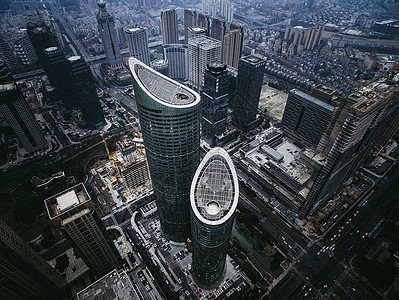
x,y
137,43
214,198
169,115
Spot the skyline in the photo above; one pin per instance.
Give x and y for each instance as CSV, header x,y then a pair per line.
x,y
153,118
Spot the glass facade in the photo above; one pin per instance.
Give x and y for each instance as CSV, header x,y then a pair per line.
x,y
214,197
169,116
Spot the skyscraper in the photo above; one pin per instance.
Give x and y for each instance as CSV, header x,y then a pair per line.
x,y
20,117
177,56
214,198
73,212
218,29
249,84
85,92
203,21
232,45
356,131
214,101
202,50
169,115
25,51
41,38
24,273
7,55
138,44
307,116
313,36
190,20
109,37
170,35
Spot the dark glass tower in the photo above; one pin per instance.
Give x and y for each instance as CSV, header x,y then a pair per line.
x,y
249,84
85,90
169,115
18,114
41,38
24,274
214,101
214,198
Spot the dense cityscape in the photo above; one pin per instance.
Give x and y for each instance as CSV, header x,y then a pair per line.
x,y
199,149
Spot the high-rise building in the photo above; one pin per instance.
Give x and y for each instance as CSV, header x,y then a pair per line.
x,y
249,84
313,36
203,21
232,45
202,50
177,56
7,55
219,8
41,38
138,44
170,34
25,51
24,273
20,117
218,29
109,37
356,131
84,88
190,20
144,4
214,198
160,65
135,172
196,31
169,115
214,101
73,213
307,116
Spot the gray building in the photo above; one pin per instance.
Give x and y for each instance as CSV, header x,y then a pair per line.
x,y
214,198
138,44
170,34
177,56
249,84
232,45
202,50
169,115
214,101
109,37
218,29
307,116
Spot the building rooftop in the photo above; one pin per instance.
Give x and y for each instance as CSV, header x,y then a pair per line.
x,y
204,42
313,99
114,285
162,88
214,191
66,200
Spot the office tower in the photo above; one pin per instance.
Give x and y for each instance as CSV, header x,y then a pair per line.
x,y
307,116
203,21
138,44
169,115
170,35
24,273
144,4
202,51
218,29
121,36
356,131
20,117
25,51
7,55
73,213
54,65
41,37
84,88
219,8
106,29
160,65
249,84
232,45
214,101
195,31
190,20
177,56
313,36
213,197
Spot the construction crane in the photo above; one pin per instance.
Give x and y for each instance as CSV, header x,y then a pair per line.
x,y
110,157
140,148
362,89
393,72
88,148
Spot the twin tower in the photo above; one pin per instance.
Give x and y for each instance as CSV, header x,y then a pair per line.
x,y
194,199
